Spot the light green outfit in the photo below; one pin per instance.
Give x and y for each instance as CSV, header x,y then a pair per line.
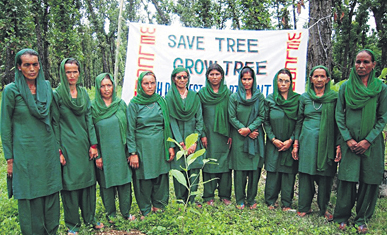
x,y
28,138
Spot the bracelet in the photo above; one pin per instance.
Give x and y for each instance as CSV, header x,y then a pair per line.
x,y
94,146
272,140
60,151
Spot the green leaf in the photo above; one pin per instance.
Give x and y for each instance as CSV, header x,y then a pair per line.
x,y
179,154
193,175
179,177
191,158
383,74
191,139
210,161
174,141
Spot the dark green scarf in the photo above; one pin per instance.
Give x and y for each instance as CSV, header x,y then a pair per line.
x,y
143,99
250,146
79,105
220,99
177,109
99,110
359,96
326,137
39,108
290,108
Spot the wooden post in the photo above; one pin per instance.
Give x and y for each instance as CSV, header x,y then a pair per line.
x,y
118,42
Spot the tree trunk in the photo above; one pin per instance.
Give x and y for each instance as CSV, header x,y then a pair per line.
x,y
347,52
9,63
320,33
381,27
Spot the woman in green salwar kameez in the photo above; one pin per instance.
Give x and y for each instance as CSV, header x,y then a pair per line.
x,y
246,109
186,118
113,172
216,135
78,148
280,122
30,147
151,153
316,142
361,114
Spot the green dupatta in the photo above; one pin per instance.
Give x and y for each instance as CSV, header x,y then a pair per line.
x,y
177,109
290,108
326,140
359,96
78,105
100,111
143,99
39,108
220,99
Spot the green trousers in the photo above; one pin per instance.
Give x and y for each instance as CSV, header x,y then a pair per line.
x,y
277,182
151,192
307,191
243,178
181,191
84,199
108,196
39,215
366,196
223,183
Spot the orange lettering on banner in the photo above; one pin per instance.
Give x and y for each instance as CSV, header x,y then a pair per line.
x,y
291,62
146,58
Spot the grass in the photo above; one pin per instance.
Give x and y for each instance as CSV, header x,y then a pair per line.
x,y
219,219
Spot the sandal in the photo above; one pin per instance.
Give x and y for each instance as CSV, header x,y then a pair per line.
x,y
226,202
343,226
71,232
254,206
198,205
99,226
362,229
210,202
271,207
240,207
303,214
155,209
328,216
286,209
131,217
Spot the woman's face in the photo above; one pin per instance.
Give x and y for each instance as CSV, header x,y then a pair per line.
x,y
148,84
247,81
364,64
72,73
29,66
319,78
181,80
214,77
283,83
106,88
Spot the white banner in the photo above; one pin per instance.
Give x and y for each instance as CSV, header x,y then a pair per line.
x,y
162,48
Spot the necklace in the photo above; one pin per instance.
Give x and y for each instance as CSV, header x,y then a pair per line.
x,y
184,95
150,106
315,106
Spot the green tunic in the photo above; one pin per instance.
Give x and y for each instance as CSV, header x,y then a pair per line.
x,y
274,127
217,147
146,138
76,135
239,115
181,130
307,132
115,169
36,166
353,167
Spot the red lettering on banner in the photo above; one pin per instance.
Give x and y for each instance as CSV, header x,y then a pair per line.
x,y
146,58
293,44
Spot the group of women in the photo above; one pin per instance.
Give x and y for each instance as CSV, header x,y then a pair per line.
x,y
114,144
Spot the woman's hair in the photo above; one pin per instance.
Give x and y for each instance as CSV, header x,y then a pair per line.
x,y
247,70
369,53
73,61
215,67
287,72
150,73
28,52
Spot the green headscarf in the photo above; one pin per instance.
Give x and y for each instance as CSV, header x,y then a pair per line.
x,y
326,140
143,99
39,108
99,110
290,108
359,96
79,105
177,109
250,145
220,99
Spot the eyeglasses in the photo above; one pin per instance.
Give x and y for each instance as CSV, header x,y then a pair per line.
x,y
181,77
283,81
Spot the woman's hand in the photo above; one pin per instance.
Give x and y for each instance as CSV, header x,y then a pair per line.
x,y
286,145
133,161
10,168
62,159
183,145
338,154
278,143
93,153
244,131
351,144
192,149
229,142
295,150
99,163
204,142
362,146
253,135
171,154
